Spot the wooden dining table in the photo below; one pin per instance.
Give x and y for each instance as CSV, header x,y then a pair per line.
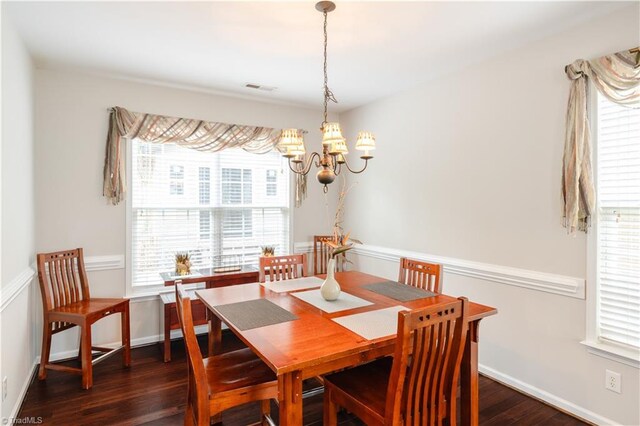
x,y
313,344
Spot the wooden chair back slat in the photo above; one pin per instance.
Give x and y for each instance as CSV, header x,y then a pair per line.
x,y
74,291
197,392
63,281
426,366
322,254
423,275
280,268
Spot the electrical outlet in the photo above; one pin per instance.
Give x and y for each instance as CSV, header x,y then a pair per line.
x,y
613,381
4,388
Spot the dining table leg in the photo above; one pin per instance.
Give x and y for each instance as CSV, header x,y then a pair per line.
x,y
469,377
290,398
215,347
215,334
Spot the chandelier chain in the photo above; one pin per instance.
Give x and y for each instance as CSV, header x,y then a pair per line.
x,y
328,94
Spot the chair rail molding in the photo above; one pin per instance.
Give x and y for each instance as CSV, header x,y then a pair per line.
x,y
26,277
15,287
525,278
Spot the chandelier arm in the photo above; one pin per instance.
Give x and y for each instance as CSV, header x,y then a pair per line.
x,y
337,167
306,167
366,163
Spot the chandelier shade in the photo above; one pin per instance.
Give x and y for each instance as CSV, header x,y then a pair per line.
x,y
331,133
339,147
290,137
366,142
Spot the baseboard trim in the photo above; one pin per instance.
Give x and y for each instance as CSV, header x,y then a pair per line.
x,y
140,341
16,286
544,396
135,343
524,278
15,411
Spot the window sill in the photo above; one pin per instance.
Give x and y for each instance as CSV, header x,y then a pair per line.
x,y
615,353
153,293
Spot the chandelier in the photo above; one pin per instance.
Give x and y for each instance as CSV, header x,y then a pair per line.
x,y
334,145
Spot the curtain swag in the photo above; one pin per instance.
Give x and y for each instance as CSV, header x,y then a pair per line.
x,y
189,133
617,77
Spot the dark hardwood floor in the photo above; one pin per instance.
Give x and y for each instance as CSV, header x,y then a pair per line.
x,y
153,393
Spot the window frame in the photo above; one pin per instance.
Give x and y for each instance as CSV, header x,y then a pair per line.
x,y
592,342
151,292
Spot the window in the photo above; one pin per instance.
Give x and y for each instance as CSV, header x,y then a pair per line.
x,y
176,180
205,224
615,235
236,186
272,183
209,204
204,190
237,224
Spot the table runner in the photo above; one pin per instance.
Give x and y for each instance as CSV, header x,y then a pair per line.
x,y
254,314
345,301
292,285
373,324
400,292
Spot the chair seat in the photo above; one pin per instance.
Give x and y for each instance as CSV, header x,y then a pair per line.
x,y
89,307
235,370
367,384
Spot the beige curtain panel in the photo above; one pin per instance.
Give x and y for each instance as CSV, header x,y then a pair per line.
x,y
617,77
194,134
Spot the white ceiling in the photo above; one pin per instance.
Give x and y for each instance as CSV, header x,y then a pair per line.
x,y
375,48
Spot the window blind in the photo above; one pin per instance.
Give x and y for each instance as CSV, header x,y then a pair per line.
x,y
618,227
220,207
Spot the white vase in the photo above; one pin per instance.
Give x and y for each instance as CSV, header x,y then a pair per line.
x,y
330,289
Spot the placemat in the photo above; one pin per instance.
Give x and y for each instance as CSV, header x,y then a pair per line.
x,y
345,301
294,284
373,324
254,314
400,292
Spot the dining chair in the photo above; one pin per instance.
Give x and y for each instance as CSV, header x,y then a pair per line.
x,y
222,381
280,268
418,385
322,253
67,303
424,275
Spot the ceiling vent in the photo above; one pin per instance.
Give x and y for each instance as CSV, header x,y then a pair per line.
x,y
259,87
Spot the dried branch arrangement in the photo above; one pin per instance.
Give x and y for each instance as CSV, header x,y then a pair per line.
x,y
342,242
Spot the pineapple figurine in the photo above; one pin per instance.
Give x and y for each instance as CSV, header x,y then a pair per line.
x,y
268,251
183,264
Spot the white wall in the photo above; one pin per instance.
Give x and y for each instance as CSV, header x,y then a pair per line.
x,y
17,158
18,248
468,166
71,129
